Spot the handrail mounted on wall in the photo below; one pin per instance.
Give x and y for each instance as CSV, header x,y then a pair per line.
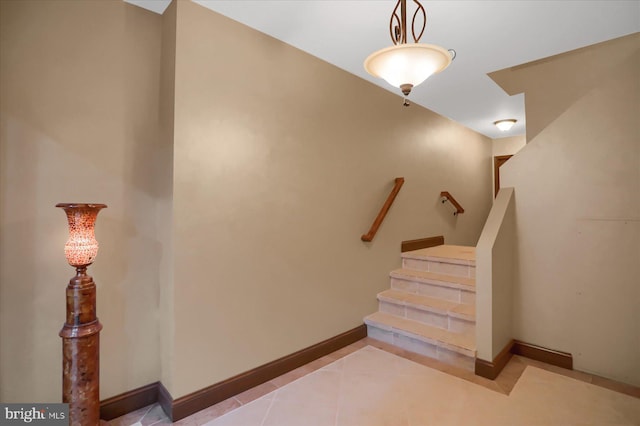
x,y
445,196
383,212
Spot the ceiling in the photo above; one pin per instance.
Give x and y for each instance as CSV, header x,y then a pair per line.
x,y
486,35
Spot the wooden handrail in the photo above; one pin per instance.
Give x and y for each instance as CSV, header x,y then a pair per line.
x,y
449,197
383,212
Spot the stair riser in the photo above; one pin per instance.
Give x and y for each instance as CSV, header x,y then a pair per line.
x,y
431,290
457,325
423,348
433,319
440,267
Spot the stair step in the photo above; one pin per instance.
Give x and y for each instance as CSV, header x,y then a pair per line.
x,y
444,259
443,280
444,314
463,344
425,303
448,287
461,255
452,348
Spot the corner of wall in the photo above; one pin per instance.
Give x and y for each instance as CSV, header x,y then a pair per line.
x,y
165,177
493,277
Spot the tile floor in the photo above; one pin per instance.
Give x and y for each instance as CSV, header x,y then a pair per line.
x,y
370,383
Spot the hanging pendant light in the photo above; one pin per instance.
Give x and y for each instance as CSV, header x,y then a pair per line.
x,y
406,65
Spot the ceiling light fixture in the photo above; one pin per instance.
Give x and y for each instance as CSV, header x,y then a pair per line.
x,y
505,125
407,65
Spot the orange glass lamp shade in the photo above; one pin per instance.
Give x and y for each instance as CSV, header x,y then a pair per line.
x,y
82,247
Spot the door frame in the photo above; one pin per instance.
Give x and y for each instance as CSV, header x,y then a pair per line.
x,y
498,161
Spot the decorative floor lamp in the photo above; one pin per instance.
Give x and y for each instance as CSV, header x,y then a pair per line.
x,y
81,331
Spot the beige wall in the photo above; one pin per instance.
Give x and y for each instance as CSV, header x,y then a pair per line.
x,y
508,146
495,264
577,189
78,123
281,162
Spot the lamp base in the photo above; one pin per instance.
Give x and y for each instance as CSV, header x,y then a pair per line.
x,y
81,352
81,373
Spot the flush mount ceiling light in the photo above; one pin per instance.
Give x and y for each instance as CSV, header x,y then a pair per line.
x,y
405,65
505,125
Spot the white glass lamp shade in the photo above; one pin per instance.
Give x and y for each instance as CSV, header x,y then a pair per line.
x,y
505,125
407,63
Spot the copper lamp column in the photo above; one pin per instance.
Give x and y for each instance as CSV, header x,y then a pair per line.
x,y
81,331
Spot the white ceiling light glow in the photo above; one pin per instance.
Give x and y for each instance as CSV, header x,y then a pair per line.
x,y
407,65
505,125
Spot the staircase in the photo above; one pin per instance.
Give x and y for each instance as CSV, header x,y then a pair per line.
x,y
430,307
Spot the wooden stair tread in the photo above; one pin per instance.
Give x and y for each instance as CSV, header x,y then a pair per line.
x,y
464,283
460,343
461,255
441,306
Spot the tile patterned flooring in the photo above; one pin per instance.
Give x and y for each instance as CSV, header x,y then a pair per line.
x,y
371,383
